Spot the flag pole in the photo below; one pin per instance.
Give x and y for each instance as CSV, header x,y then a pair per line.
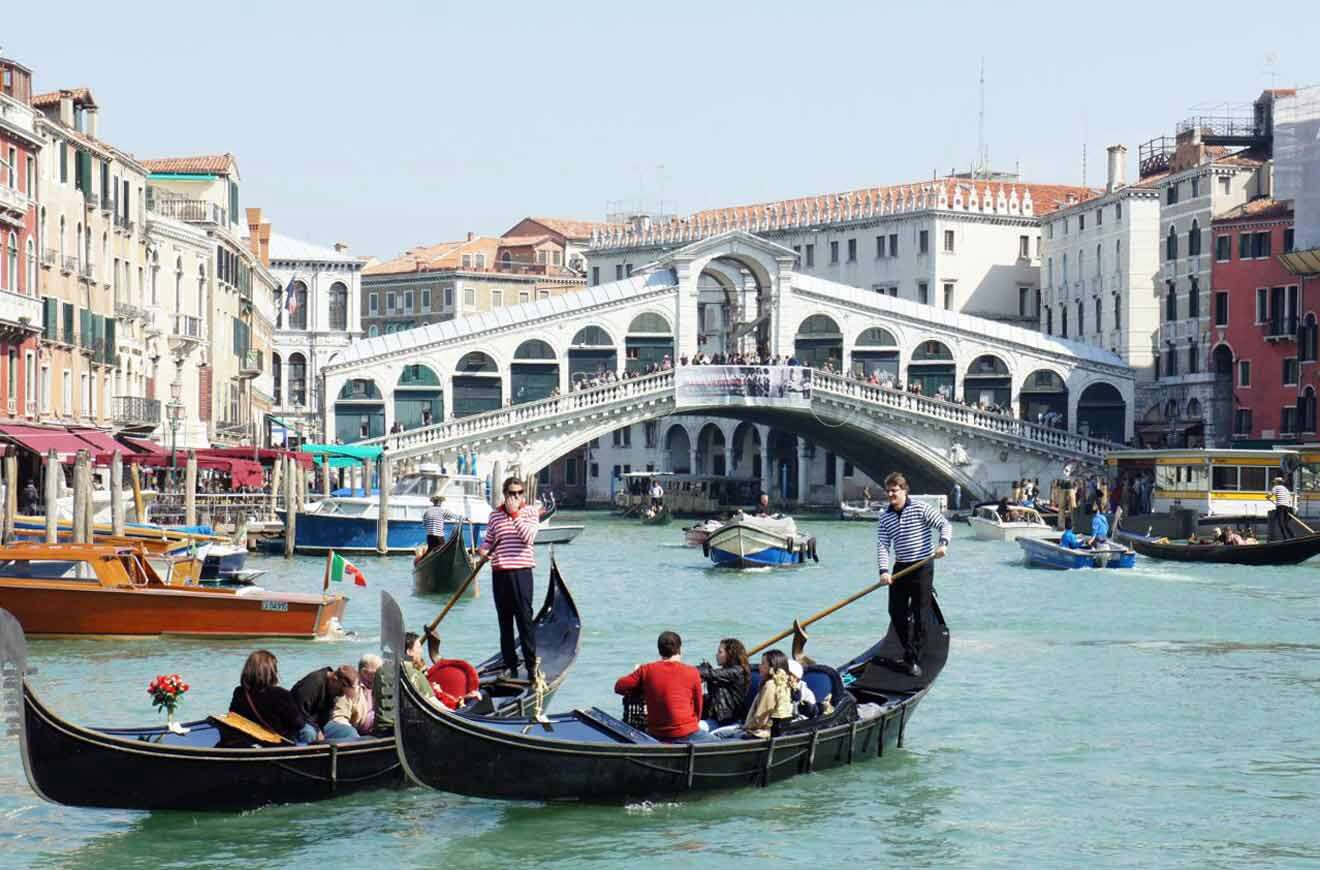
x,y
325,581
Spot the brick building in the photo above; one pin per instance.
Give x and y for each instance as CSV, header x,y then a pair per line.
x,y
20,311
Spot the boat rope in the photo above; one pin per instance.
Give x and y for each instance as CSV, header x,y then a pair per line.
x,y
777,762
539,690
334,778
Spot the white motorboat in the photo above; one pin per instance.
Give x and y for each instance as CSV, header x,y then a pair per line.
x,y
1022,522
553,533
698,534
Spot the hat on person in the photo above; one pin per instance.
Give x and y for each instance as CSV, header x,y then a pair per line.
x,y
437,498
1278,480
795,668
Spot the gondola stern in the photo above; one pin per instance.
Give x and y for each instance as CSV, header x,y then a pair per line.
x,y
19,697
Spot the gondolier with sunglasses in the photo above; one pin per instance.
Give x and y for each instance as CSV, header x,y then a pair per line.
x,y
903,534
510,534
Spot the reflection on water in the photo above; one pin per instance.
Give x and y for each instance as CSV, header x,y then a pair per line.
x,y
1162,715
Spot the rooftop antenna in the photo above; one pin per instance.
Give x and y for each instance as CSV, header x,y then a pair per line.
x,y
1084,137
1271,67
980,125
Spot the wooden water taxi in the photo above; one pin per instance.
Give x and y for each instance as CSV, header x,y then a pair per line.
x,y
101,589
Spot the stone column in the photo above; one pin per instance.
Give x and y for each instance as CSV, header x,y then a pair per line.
x,y
692,459
838,478
802,470
765,461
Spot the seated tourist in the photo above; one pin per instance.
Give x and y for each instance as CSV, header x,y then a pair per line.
x,y
1003,511
1099,530
726,685
672,690
414,666
1069,538
772,711
368,666
316,693
454,682
348,705
803,696
260,698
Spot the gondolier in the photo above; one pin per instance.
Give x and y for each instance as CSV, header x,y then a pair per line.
x,y
1281,519
903,536
434,521
510,533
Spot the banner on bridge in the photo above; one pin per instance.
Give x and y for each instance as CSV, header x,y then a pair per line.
x,y
745,386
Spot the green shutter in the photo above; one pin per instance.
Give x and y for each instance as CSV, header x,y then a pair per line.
x,y
68,323
84,327
233,202
111,350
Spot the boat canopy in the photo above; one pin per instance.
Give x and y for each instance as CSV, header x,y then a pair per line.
x,y
342,455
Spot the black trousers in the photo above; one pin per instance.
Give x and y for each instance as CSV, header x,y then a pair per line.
x,y
433,541
1281,523
513,604
908,597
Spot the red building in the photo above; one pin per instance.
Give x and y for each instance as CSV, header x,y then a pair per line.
x,y
1263,325
20,247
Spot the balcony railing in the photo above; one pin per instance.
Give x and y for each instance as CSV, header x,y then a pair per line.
x,y
124,311
70,264
1282,328
189,210
85,269
22,311
49,257
136,411
251,365
92,200
187,326
13,205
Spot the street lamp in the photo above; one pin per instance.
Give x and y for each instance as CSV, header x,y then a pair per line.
x,y
175,410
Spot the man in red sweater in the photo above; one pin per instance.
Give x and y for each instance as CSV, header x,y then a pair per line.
x,y
672,691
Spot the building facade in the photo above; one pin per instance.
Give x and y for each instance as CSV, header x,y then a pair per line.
x,y
1262,328
20,249
1099,262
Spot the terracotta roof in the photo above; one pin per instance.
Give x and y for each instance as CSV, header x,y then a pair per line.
x,y
431,258
571,229
81,96
1245,157
204,164
524,241
1258,209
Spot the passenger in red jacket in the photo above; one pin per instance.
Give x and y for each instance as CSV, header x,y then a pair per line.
x,y
672,691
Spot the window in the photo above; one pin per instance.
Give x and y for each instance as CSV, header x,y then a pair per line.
x,y
1171,304
449,297
1063,320
469,296
1171,196
1244,373
1024,247
1193,358
496,298
923,293
1171,362
1194,300
425,306
1049,321
1223,248
481,261
408,301
811,255
948,297
1262,304
1098,319
1171,244
627,269
879,247
595,275
618,271
948,241
622,437
570,471
339,307
467,261
1196,187
1260,245
1290,371
595,469
1242,421
1049,272
1194,239
893,244
1081,319
1081,222
923,242
389,302
1221,308
1288,240
1024,298
1244,246
834,252
852,250
1288,420
1118,211
1049,229
524,296
1118,311
1225,185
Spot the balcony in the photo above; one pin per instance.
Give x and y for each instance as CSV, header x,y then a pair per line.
x,y
151,321
186,333
19,313
13,207
1282,328
49,257
92,201
1179,330
69,265
135,411
196,211
85,270
251,364
124,311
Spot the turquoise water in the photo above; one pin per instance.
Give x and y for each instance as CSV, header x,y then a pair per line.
x,y
1164,716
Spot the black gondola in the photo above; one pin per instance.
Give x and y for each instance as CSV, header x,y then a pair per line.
x,y
661,517
590,755
444,568
1289,552
153,769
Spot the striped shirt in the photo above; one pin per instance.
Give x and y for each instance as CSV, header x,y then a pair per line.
x,y
1282,497
434,520
905,535
509,539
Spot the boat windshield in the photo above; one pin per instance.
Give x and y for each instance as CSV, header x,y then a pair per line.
x,y
47,569
417,484
345,508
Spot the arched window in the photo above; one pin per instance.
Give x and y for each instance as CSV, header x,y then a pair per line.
x,y
297,309
275,372
1118,311
1098,269
1194,239
155,270
649,322
11,264
592,336
373,331
62,227
297,379
178,285
201,290
1171,244
1081,319
78,243
1098,319
507,258
876,336
1171,303
31,268
1049,321
41,234
1063,320
338,307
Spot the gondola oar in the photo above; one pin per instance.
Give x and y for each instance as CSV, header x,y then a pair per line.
x,y
1298,520
799,626
433,639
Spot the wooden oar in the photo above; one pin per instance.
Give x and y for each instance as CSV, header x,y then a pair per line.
x,y
433,639
1298,520
798,626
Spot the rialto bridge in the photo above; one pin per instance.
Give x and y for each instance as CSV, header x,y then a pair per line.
x,y
503,382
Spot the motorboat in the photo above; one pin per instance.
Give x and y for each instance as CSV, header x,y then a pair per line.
x,y
1049,553
751,542
1022,522
698,534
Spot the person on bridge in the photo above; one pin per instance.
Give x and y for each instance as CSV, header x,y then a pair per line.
x,y
510,533
903,535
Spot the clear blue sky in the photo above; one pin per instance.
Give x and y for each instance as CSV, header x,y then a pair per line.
x,y
387,125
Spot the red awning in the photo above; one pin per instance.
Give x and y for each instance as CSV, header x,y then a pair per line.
x,y
40,439
101,441
241,472
262,455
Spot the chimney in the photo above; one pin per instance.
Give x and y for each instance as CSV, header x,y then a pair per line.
x,y
264,253
341,247
471,236
1117,162
254,231
66,108
91,119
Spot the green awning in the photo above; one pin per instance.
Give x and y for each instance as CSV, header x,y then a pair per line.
x,y
342,455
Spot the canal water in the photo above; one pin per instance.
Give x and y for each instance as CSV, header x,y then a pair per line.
x,y
1164,716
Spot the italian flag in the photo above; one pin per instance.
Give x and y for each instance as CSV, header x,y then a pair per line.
x,y
337,568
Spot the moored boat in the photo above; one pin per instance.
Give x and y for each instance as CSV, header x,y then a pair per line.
x,y
698,534
152,768
445,567
591,755
754,542
1023,522
1047,553
99,589
1289,552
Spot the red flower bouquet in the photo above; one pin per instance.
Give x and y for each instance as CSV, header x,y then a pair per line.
x,y
166,691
